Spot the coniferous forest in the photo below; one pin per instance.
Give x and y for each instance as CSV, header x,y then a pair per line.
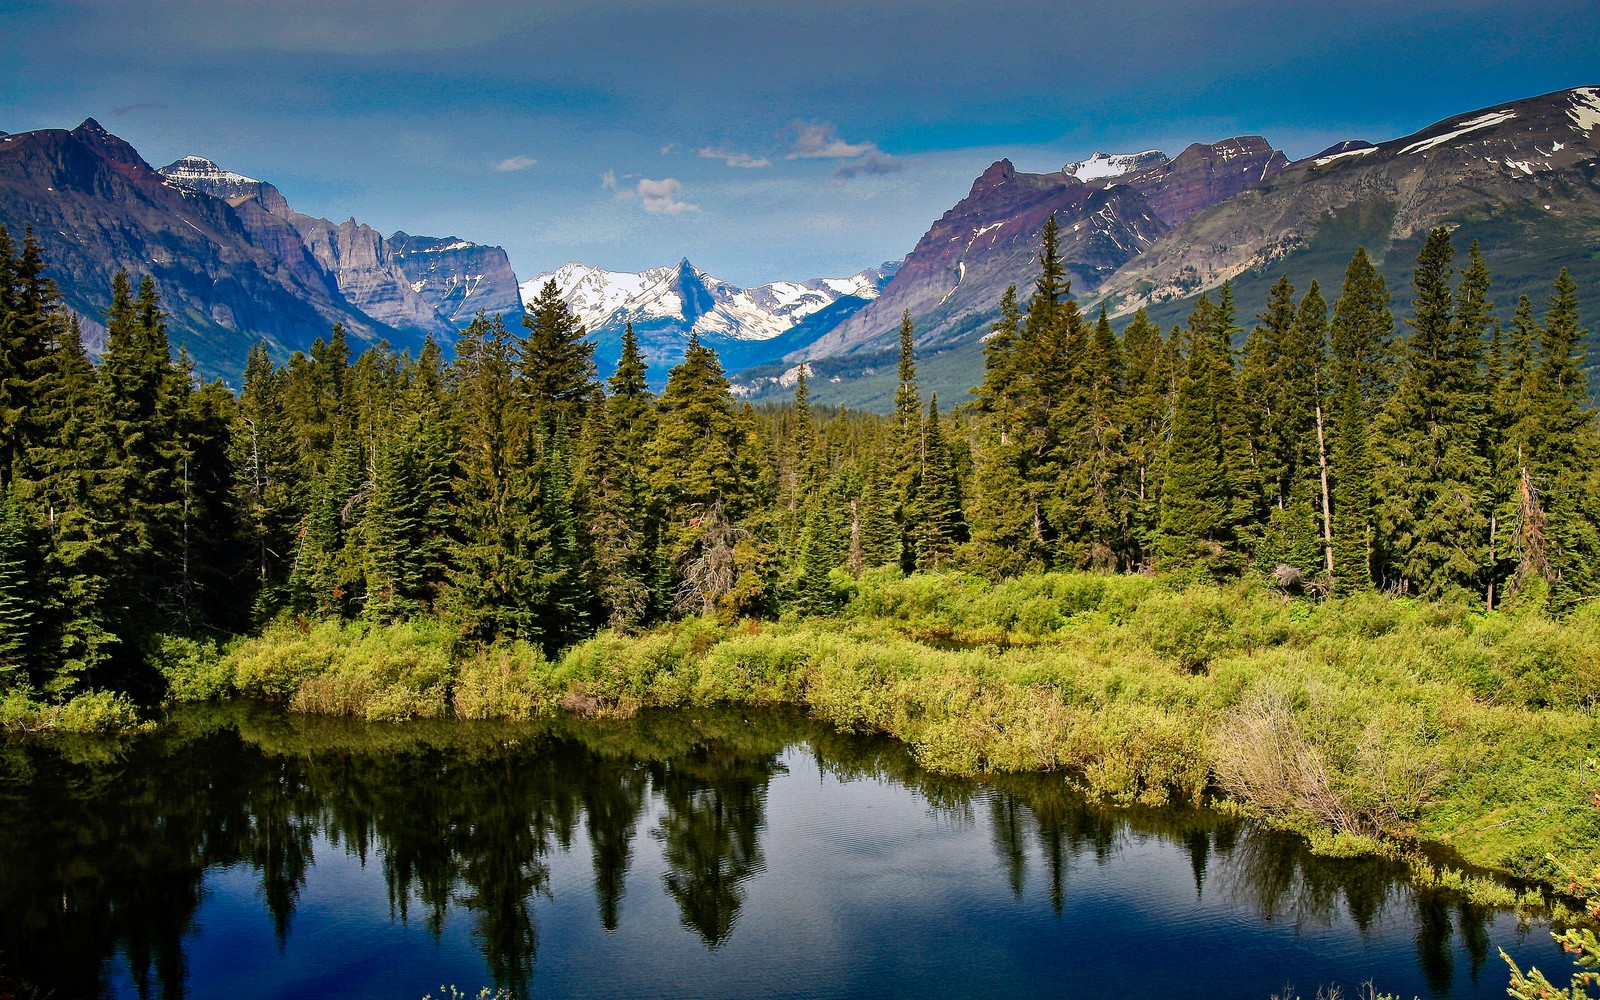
x,y
514,493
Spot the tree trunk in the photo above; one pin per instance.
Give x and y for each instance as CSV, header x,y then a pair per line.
x,y
1327,508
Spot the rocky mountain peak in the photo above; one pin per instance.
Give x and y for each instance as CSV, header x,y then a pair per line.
x,y
998,173
92,134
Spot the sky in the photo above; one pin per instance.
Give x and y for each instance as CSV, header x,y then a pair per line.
x,y
763,139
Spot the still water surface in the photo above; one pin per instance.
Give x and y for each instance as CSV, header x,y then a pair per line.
x,y
242,853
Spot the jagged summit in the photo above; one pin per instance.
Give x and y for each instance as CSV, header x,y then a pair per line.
x,y
666,305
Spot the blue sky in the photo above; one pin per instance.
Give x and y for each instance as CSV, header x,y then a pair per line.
x,y
762,139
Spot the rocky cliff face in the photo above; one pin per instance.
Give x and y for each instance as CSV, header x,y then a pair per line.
x,y
359,259
457,278
1203,175
96,207
420,283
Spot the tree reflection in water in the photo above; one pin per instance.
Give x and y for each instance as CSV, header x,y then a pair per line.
x,y
107,846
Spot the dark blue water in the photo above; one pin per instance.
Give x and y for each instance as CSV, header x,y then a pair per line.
x,y
241,853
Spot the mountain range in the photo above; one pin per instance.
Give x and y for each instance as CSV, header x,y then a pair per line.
x,y
1141,231
665,305
234,263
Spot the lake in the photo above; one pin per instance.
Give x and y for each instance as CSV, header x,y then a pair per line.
x,y
241,852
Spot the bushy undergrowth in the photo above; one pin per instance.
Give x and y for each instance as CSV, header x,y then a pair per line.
x,y
1355,719
89,712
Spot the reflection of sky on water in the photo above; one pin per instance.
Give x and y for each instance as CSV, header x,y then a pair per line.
x,y
773,875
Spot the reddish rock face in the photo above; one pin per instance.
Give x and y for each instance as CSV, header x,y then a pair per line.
x,y
1204,175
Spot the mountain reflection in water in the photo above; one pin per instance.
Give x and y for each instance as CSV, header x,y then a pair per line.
x,y
144,867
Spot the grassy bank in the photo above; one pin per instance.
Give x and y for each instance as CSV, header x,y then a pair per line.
x,y
1353,720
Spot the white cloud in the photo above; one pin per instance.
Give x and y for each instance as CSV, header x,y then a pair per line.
x,y
820,140
733,159
608,181
519,162
661,197
873,163
669,148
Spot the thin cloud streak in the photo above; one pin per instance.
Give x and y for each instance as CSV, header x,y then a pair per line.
x,y
733,159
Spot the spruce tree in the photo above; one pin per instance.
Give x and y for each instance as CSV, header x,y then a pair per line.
x,y
1148,416
1432,477
555,361
497,586
621,533
939,527
18,594
906,445
701,486
1361,371
1196,522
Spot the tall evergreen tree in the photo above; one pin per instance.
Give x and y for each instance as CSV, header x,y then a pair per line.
x,y
555,362
1431,478
906,444
621,533
701,482
497,579
939,526
1361,364
1197,517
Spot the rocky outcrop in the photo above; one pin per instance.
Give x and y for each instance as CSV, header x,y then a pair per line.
x,y
359,259
455,277
1206,174
952,282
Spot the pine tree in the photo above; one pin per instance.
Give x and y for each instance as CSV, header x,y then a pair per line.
x,y
1087,507
18,594
267,484
497,585
621,534
555,361
1148,416
939,527
906,445
1361,367
701,484
1564,451
1432,478
1196,504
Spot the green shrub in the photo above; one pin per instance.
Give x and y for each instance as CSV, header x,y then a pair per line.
x,y
194,668
502,681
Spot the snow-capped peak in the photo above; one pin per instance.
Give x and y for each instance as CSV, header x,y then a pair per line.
x,y
1102,165
192,169
682,294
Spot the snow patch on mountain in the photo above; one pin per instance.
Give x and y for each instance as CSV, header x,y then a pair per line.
x,y
1103,165
1585,111
1462,128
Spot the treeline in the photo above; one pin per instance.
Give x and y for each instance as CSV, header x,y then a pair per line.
x,y
1459,459
517,496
